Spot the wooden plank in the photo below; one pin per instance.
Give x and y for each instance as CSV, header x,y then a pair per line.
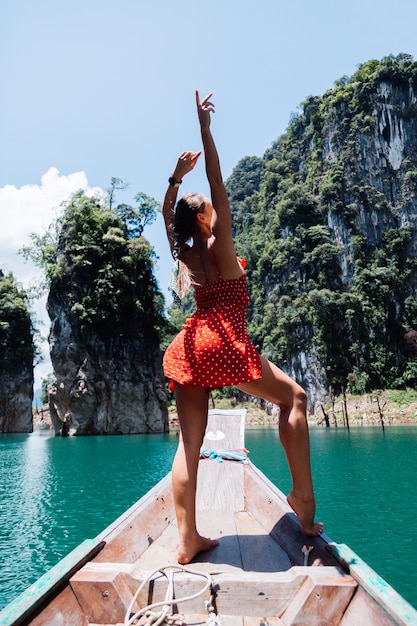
x,y
260,621
31,600
225,429
260,553
140,526
150,496
269,505
264,594
201,620
242,593
64,610
246,594
391,601
231,620
364,610
320,600
102,593
220,486
226,555
162,551
225,620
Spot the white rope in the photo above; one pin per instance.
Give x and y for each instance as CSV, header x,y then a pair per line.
x,y
157,618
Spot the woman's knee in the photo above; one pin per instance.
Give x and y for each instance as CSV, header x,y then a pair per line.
x,y
192,438
297,398
300,396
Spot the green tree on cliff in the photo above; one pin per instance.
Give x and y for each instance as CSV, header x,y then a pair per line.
x,y
17,348
97,260
316,204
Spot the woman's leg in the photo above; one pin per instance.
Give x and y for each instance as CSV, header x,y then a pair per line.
x,y
192,407
276,387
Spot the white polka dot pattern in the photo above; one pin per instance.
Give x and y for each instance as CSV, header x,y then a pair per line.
x,y
213,349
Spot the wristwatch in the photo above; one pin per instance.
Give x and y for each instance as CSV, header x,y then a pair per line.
x,y
173,182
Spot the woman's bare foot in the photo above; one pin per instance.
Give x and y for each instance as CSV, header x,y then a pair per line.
x,y
304,509
187,551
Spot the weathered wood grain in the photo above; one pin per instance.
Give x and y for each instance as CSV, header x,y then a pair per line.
x,y
320,600
389,599
364,610
270,507
225,430
260,553
132,533
103,594
63,611
47,586
220,486
256,593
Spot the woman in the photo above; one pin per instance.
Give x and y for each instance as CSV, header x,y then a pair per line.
x,y
213,349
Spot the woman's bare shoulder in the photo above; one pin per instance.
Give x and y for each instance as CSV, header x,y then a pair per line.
x,y
226,258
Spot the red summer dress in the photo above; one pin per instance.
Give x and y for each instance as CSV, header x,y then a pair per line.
x,y
213,349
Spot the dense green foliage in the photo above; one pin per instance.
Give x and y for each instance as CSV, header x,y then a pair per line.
x,y
322,221
16,334
355,317
99,267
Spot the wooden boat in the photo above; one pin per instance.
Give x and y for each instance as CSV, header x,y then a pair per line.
x,y
264,571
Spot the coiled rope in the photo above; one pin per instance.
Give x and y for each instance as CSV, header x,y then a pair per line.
x,y
154,617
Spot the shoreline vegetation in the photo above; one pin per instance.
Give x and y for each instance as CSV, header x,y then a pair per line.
x,y
382,408
388,408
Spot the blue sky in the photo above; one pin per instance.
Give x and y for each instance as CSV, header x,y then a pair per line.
x,y
98,88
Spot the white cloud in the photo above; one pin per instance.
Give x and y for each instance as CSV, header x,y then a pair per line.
x,y
30,209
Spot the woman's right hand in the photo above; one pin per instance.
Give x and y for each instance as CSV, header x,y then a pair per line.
x,y
186,162
204,108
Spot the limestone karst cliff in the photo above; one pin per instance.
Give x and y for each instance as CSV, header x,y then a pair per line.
x,y
16,358
105,311
110,385
327,221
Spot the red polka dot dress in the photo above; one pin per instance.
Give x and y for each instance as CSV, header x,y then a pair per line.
x,y
213,349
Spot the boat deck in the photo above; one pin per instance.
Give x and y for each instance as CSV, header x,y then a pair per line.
x,y
254,577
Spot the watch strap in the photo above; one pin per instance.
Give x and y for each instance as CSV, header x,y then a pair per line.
x,y
173,182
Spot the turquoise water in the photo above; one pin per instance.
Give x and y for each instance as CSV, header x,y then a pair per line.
x,y
56,492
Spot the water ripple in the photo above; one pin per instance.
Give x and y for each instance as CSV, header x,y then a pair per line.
x,y
54,493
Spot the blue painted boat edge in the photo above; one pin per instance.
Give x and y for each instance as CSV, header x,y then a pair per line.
x,y
390,600
22,607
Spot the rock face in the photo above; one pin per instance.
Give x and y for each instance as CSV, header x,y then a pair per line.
x,y
16,359
104,388
105,316
327,221
385,168
16,401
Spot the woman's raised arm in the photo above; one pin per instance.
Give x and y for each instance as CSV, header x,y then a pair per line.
x,y
219,198
186,162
